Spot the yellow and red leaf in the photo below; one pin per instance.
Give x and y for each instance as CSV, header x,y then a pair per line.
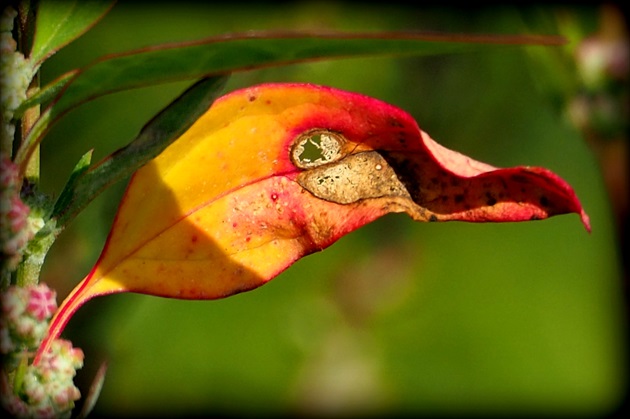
x,y
274,172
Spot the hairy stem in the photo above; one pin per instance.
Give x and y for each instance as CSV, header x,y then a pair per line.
x,y
29,269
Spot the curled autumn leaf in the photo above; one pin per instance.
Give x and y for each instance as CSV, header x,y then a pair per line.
x,y
272,173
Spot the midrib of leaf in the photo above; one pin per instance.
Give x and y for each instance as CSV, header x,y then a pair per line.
x,y
57,28
184,217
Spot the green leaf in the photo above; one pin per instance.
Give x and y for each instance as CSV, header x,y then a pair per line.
x,y
66,196
45,94
60,22
238,52
156,135
94,392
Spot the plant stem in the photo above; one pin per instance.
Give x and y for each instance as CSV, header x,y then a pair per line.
x,y
26,28
29,269
29,118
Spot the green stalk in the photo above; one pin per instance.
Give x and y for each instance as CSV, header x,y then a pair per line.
x,y
29,269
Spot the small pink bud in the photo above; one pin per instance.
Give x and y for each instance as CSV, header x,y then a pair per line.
x,y
17,214
42,302
9,172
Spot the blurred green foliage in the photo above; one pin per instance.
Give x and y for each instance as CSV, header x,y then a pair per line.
x,y
403,317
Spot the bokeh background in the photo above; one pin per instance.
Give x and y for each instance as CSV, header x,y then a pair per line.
x,y
397,317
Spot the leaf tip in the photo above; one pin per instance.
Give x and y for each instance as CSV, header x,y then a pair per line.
x,y
586,221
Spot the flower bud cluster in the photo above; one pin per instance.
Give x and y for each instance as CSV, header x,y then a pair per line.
x,y
46,389
25,315
602,61
27,390
16,74
16,226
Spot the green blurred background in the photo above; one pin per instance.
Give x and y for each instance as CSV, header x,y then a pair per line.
x,y
433,319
